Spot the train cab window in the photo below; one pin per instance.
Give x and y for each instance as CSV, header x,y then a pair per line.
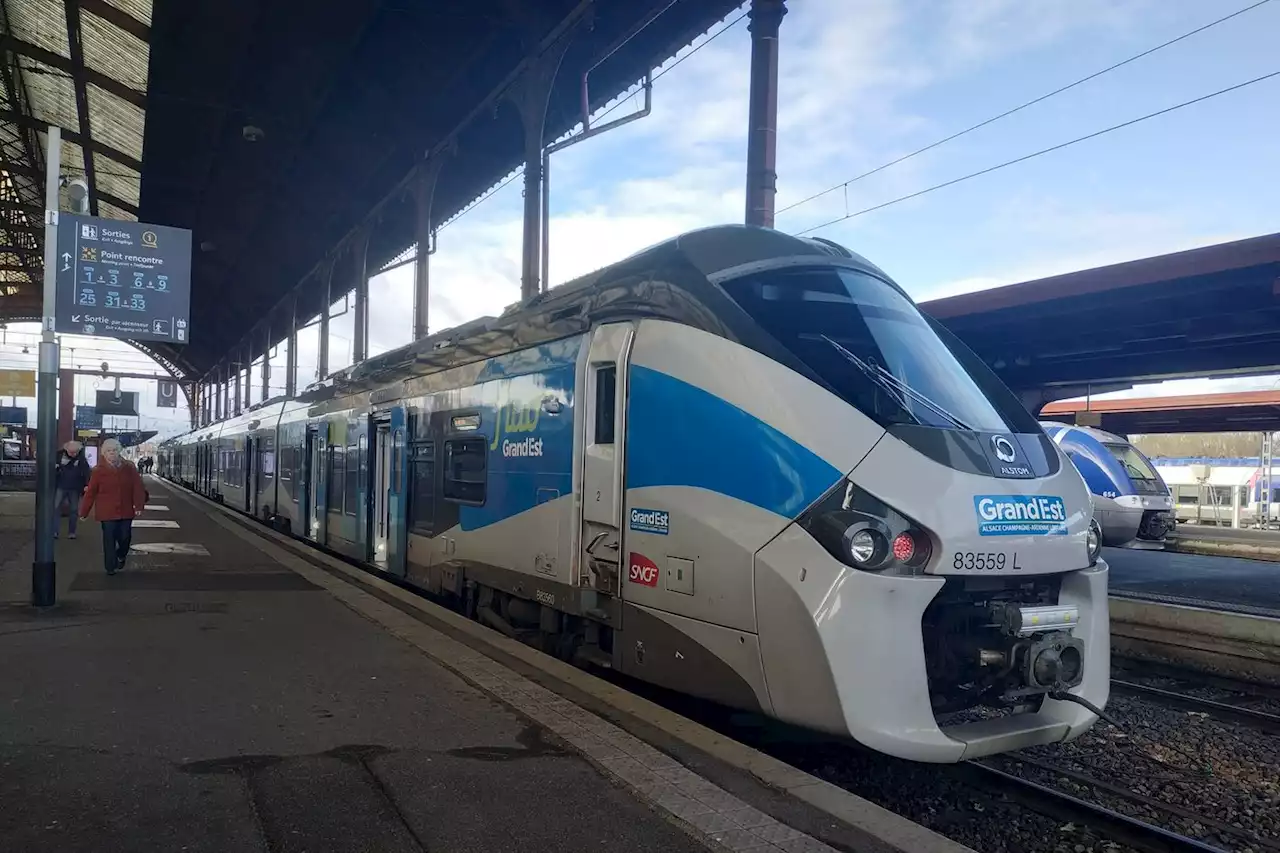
x,y
606,403
422,498
337,471
465,464
866,341
352,486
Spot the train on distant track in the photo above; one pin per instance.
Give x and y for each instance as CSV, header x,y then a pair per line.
x,y
740,465
1131,503
1222,491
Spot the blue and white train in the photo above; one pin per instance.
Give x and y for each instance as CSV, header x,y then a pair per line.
x,y
1131,502
739,464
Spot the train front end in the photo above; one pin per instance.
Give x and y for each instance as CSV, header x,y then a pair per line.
x,y
1131,503
946,599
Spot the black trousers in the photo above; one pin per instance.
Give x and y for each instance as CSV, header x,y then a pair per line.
x,y
115,543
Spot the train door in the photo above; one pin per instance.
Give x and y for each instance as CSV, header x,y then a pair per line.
x,y
603,454
317,479
249,474
398,495
380,522
307,488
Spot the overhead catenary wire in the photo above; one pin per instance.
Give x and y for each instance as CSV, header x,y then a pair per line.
x,y
1034,154
1021,107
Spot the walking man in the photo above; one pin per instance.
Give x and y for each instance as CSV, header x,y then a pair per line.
x,y
72,476
116,490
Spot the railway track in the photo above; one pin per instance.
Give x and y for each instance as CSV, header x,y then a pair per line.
x,y
1260,720
1118,827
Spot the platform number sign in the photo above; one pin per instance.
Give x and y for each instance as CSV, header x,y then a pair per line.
x,y
120,279
167,395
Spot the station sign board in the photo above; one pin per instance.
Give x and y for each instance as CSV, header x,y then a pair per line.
x,y
17,383
117,403
88,418
121,279
166,394
13,415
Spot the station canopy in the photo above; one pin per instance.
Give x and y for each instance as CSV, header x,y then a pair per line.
x,y
280,133
283,138
80,65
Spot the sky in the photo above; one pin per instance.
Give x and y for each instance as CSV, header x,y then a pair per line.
x,y
864,82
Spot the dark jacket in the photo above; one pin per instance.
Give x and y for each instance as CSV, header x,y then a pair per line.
x,y
73,471
118,493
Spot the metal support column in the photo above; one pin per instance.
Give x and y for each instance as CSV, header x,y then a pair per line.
x,y
530,97
266,361
1265,485
762,139
428,174
322,366
239,406
360,347
248,373
44,573
291,359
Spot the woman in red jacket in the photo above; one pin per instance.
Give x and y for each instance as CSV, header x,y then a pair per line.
x,y
116,488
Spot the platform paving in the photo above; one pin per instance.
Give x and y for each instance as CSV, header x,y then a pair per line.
x,y
207,698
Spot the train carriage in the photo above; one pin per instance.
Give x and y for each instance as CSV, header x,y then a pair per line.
x,y
740,465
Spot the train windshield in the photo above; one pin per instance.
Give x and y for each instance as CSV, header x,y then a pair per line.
x,y
869,343
1135,465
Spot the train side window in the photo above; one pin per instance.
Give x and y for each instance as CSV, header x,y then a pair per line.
x,y
363,474
299,463
422,498
352,490
606,403
465,468
337,468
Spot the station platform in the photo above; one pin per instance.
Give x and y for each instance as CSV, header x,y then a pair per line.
x,y
1224,583
224,693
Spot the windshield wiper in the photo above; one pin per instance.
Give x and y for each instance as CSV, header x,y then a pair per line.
x,y
896,388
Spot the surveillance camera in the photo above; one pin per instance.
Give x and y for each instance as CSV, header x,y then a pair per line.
x,y
78,194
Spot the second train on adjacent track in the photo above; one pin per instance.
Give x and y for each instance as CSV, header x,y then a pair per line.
x,y
740,465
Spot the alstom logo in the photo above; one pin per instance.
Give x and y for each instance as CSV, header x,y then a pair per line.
x,y
643,570
1011,515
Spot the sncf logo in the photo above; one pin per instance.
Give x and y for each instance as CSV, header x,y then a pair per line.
x,y
643,570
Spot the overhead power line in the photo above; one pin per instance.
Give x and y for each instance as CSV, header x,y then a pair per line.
x,y
1021,107
1034,154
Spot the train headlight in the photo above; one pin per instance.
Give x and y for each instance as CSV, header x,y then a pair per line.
x,y
863,532
1095,541
866,546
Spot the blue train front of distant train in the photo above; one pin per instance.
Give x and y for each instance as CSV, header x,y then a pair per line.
x,y
1131,503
